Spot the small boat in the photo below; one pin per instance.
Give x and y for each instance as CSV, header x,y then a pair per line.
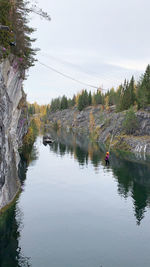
x,y
47,140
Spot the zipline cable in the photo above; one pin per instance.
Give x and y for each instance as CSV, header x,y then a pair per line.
x,y
69,77
112,136
64,62
103,76
73,79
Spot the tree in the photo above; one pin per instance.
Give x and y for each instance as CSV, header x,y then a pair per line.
x,y
130,123
5,38
143,89
132,91
17,40
64,103
97,98
35,9
85,98
107,102
118,97
90,98
125,99
73,100
112,97
127,95
80,102
55,104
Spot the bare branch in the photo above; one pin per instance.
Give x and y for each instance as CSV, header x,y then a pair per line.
x,y
35,9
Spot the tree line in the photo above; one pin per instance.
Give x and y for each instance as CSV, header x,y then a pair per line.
x,y
127,94
15,33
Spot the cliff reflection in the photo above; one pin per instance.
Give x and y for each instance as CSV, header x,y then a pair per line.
x,y
11,220
10,253
132,177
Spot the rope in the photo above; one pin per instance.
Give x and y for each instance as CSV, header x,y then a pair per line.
x,y
110,141
112,136
61,61
68,76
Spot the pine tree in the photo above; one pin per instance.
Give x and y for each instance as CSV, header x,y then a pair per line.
x,y
5,37
132,96
143,89
97,98
112,97
64,103
85,98
132,91
130,123
80,102
146,82
125,97
73,100
17,40
90,98
55,104
118,97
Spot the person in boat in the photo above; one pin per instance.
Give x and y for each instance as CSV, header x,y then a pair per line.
x,y
107,158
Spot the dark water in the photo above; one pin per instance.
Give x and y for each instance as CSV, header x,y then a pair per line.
x,y
76,212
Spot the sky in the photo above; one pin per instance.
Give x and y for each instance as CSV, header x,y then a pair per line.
x,y
99,42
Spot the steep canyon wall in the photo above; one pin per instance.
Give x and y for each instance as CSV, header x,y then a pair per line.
x,y
13,126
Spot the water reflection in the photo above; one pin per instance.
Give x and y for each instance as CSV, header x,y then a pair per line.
x,y
10,226
29,155
132,180
132,177
11,220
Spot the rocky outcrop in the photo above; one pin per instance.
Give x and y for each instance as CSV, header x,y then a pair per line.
x,y
74,119
106,127
13,126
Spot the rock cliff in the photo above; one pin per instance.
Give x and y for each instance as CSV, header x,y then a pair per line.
x,y
13,126
106,126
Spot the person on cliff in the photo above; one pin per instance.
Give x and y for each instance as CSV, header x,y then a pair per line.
x,y
107,158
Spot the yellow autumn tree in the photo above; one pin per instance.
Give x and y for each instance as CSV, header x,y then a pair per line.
x,y
92,122
107,102
29,137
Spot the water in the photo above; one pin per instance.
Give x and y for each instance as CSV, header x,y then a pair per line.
x,y
76,212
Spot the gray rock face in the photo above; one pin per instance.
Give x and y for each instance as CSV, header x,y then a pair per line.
x,y
11,129
108,126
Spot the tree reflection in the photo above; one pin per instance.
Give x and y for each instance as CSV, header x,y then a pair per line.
x,y
55,147
29,154
133,177
81,155
140,197
62,149
10,252
11,220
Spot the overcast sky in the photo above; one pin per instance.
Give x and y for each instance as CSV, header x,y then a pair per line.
x,y
100,42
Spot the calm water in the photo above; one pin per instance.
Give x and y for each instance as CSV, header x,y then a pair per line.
x,y
76,212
